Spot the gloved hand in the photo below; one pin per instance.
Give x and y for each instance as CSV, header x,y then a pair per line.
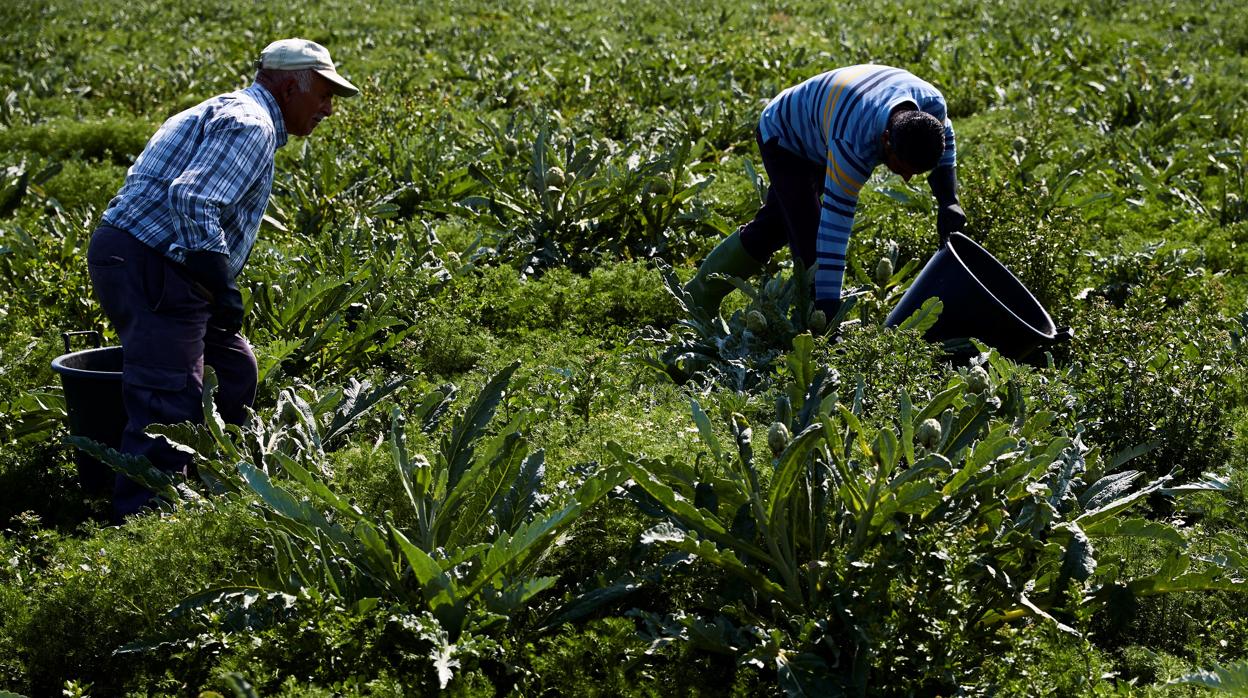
x,y
212,271
949,214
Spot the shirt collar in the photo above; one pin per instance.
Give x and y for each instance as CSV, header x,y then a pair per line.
x,y
261,94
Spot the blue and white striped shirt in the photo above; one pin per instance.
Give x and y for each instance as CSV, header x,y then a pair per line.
x,y
203,181
838,118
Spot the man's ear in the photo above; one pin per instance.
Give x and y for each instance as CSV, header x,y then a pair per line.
x,y
284,91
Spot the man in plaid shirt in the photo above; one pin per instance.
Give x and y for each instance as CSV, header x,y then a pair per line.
x,y
164,258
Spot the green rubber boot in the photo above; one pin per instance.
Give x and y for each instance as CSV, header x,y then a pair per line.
x,y
728,257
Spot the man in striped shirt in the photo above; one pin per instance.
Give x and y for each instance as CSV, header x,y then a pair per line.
x,y
164,259
820,141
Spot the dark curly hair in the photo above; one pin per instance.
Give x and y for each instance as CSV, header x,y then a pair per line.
x,y
918,138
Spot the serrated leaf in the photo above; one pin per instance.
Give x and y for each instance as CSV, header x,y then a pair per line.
x,y
925,317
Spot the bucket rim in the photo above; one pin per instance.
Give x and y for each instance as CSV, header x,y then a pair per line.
x,y
58,364
1049,336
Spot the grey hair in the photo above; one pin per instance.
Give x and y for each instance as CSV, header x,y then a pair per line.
x,y
302,78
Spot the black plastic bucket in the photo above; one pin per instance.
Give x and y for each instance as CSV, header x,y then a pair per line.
x,y
92,383
982,299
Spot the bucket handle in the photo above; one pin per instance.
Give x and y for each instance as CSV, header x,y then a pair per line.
x,y
94,335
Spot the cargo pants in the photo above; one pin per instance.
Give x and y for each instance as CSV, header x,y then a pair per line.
x,y
161,317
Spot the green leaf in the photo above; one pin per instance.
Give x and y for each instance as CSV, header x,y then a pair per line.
x,y
457,449
137,468
1209,482
530,538
241,687
591,602
1135,528
925,317
905,415
707,431
966,427
357,399
1120,504
938,404
789,469
664,532
317,488
1079,560
521,500
433,406
1175,575
1232,680
212,418
801,366
438,589
1120,458
467,506
308,520
728,561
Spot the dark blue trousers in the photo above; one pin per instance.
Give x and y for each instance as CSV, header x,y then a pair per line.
x,y
790,215
161,317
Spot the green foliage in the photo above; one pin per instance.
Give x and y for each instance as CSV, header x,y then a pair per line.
x,y
116,140
1232,680
617,296
857,540
1163,379
740,352
44,264
69,601
462,556
406,238
560,200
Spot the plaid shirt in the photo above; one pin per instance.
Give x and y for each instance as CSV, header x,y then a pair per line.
x,y
203,181
836,118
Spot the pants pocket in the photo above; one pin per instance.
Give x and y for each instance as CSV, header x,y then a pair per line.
x,y
155,377
158,395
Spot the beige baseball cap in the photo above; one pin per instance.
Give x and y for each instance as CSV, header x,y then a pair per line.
x,y
301,54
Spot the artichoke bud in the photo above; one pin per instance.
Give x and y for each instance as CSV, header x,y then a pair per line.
x,y
755,321
977,380
510,146
883,270
554,177
661,185
533,179
928,433
778,438
818,320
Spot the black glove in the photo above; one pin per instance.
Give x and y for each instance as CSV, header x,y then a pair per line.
x,y
949,214
211,270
